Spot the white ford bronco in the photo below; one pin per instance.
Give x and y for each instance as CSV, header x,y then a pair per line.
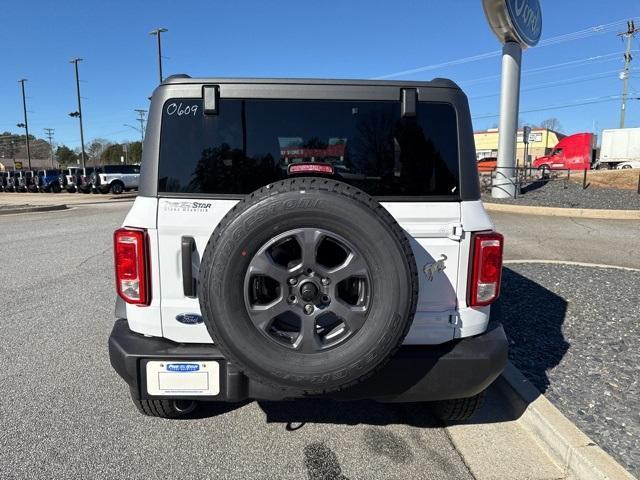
x,y
307,238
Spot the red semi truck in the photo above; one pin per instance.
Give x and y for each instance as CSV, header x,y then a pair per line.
x,y
574,152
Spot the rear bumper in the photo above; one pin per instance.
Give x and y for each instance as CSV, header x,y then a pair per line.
x,y
458,369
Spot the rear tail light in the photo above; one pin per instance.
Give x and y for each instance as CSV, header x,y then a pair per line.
x,y
132,265
486,268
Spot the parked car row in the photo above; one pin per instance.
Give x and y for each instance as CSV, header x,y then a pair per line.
x,y
114,179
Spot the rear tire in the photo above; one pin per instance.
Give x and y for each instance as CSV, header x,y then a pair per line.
x,y
117,188
457,409
165,408
368,324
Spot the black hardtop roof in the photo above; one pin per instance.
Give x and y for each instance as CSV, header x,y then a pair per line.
x,y
435,83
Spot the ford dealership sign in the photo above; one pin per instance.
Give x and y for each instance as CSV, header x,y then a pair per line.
x,y
515,20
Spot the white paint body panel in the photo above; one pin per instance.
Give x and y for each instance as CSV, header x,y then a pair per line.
x,y
146,320
437,231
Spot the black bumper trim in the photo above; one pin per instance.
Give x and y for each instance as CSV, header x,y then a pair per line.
x,y
457,369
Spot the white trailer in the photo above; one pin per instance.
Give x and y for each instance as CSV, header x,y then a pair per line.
x,y
619,145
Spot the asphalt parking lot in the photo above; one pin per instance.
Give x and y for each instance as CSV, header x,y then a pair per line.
x,y
66,414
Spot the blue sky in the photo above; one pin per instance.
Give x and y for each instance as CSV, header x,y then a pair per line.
x,y
341,39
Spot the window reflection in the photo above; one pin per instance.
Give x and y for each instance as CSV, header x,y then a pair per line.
x,y
252,142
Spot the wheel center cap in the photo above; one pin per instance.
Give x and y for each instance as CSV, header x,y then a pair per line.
x,y
308,291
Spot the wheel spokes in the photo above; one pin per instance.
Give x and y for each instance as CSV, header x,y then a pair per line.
x,y
308,341
296,279
309,239
353,266
353,316
263,264
262,315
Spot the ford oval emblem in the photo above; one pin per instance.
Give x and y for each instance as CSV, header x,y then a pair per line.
x,y
189,318
183,367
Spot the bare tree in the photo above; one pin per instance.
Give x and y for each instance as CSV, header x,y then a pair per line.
x,y
95,150
551,124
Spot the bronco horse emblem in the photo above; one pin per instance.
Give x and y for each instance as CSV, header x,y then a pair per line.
x,y
431,269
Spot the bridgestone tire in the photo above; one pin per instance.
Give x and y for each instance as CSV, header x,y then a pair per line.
x,y
458,409
165,408
308,203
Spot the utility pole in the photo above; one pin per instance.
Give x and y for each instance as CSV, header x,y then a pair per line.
x,y
157,32
141,113
49,132
79,112
624,75
26,123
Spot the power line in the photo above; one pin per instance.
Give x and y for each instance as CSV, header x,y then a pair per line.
x,y
557,66
567,37
577,103
566,81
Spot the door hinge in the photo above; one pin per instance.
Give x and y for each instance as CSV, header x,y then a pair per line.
x,y
456,232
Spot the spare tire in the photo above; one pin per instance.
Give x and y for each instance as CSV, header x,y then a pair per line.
x,y
308,285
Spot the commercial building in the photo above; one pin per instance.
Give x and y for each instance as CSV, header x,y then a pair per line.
x,y
541,141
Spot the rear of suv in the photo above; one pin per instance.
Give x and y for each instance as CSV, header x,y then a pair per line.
x,y
47,181
307,238
68,179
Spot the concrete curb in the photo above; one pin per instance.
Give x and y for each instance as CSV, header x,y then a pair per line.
x,y
32,209
565,443
564,212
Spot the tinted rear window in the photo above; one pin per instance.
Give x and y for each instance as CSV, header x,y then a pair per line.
x,y
120,169
252,142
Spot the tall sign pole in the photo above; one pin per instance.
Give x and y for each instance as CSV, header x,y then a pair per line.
x,y
518,25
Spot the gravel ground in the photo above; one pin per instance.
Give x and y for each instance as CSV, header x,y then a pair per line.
x,y
554,194
574,333
64,412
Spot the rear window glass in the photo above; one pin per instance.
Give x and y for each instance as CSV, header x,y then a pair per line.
x,y
121,169
253,142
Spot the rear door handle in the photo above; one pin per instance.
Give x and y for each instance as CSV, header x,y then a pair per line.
x,y
188,282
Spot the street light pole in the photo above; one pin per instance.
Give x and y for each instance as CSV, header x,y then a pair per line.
x,y
141,113
26,123
75,62
157,33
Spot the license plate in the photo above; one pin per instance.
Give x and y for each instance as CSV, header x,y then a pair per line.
x,y
183,378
